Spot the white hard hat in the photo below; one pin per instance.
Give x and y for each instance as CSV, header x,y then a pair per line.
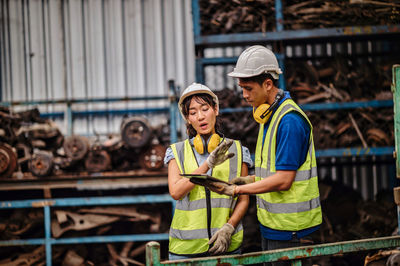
x,y
196,88
254,61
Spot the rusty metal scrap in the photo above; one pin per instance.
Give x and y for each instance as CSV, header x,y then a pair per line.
x,y
84,219
221,17
34,145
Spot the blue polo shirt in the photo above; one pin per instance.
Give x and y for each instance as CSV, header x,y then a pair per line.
x,y
291,151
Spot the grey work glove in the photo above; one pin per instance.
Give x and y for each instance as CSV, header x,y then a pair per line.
x,y
221,239
221,188
243,180
219,155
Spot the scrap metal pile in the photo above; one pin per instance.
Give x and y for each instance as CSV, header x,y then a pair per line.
x,y
237,16
30,144
81,222
326,83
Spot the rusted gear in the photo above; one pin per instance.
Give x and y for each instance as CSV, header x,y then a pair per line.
x,y
135,132
8,160
76,147
98,161
41,164
153,158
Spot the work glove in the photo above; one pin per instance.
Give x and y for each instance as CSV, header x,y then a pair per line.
x,y
221,239
220,188
218,155
243,180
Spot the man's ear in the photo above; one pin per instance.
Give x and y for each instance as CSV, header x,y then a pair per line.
x,y
216,110
267,84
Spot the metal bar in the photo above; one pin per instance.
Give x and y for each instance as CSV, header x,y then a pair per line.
x,y
91,100
109,239
326,106
85,201
196,18
346,105
47,234
200,70
69,119
172,112
107,112
339,152
152,253
23,242
278,15
396,110
226,60
258,37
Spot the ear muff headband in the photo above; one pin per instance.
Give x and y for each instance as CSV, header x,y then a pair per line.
x,y
262,113
200,145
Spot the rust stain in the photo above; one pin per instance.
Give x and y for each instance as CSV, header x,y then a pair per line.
x,y
284,258
43,203
300,257
223,264
309,250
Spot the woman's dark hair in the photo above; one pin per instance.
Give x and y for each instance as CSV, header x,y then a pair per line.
x,y
200,98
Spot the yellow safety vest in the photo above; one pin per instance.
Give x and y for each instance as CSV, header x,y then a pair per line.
x,y
299,207
189,233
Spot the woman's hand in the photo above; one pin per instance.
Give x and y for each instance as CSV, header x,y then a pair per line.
x,y
219,155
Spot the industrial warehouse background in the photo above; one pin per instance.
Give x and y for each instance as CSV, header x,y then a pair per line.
x,y
89,92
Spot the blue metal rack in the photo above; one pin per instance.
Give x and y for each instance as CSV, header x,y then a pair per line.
x,y
46,204
222,40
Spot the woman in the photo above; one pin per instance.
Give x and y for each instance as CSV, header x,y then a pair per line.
x,y
204,223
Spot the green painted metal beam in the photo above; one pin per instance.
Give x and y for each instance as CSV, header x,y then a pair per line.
x,y
396,109
294,254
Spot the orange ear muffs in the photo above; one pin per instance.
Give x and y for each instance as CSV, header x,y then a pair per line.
x,y
200,145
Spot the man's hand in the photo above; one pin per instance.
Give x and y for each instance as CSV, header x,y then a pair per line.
x,y
243,180
221,239
218,155
220,188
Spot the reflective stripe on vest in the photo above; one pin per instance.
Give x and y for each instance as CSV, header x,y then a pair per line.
x,y
299,207
189,232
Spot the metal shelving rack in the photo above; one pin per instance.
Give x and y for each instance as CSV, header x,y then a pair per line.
x,y
48,241
350,32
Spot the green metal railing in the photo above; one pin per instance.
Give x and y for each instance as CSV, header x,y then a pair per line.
x,y
293,254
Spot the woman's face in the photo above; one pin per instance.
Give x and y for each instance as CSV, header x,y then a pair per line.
x,y
202,116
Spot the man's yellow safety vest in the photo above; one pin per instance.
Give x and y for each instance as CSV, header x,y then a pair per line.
x,y
200,213
299,207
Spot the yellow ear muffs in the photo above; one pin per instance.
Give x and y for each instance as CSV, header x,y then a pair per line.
x,y
262,113
200,146
213,142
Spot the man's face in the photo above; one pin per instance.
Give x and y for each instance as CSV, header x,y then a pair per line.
x,y
254,93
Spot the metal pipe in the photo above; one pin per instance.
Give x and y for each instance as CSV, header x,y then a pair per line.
x,y
293,254
47,234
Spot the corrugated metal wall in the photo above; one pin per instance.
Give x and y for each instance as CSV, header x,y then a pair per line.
x,y
65,49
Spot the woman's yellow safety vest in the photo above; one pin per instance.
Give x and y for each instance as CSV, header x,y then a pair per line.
x,y
189,233
299,207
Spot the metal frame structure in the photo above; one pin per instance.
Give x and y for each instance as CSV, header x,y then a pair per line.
x,y
280,34
46,204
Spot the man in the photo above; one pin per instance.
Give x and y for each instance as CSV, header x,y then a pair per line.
x,y
285,181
